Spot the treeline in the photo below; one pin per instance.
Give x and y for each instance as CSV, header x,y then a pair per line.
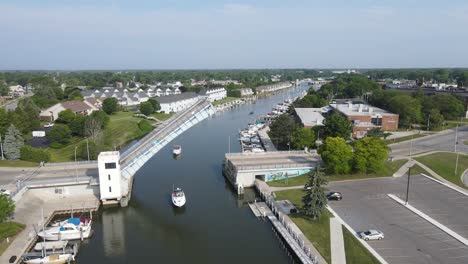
x,y
459,76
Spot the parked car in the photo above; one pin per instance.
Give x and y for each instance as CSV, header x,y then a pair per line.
x,y
5,192
334,196
49,125
371,235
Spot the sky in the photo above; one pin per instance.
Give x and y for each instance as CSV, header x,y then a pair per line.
x,y
208,34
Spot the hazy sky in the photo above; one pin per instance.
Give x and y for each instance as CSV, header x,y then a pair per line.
x,y
171,34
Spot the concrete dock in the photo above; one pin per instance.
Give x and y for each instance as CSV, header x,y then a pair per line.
x,y
266,141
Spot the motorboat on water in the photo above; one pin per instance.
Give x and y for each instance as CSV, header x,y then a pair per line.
x,y
177,150
70,229
178,197
51,259
51,252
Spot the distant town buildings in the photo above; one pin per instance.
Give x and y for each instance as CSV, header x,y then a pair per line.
x,y
78,107
214,94
17,91
365,117
273,87
246,92
177,102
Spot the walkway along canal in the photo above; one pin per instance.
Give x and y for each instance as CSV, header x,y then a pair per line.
x,y
214,226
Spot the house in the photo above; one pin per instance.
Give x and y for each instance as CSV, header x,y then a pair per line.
x,y
177,102
17,90
214,94
246,92
365,117
273,87
76,106
310,117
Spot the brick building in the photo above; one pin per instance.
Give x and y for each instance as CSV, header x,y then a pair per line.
x,y
366,117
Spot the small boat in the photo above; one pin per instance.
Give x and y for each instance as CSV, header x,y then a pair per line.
x,y
177,150
251,113
71,229
178,197
51,259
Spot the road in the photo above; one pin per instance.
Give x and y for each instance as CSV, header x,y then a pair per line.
x,y
442,141
408,237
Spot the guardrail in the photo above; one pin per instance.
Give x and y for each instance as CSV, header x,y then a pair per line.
x,y
70,163
276,166
271,153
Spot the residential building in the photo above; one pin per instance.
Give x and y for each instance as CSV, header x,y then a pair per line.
x,y
310,117
177,102
273,87
214,94
17,90
76,106
246,92
366,117
119,85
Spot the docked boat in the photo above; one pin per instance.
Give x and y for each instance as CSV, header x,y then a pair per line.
x,y
177,150
178,197
51,259
71,229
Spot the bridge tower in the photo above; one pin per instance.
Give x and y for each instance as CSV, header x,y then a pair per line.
x,y
109,177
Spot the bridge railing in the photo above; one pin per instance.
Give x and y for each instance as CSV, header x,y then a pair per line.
x,y
277,166
270,153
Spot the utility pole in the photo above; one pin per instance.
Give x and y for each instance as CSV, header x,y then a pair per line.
x,y
87,148
428,122
456,143
76,166
407,185
411,147
1,147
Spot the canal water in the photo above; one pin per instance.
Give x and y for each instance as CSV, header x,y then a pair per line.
x,y
214,227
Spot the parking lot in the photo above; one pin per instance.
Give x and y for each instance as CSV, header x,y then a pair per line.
x,y
408,237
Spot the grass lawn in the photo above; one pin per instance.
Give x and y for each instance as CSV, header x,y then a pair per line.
x,y
465,142
17,163
225,100
355,252
162,116
405,138
122,128
390,167
444,165
10,230
317,231
416,169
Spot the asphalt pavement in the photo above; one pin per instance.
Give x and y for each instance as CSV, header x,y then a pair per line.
x,y
408,237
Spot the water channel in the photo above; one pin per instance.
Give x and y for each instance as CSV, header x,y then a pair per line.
x,y
214,227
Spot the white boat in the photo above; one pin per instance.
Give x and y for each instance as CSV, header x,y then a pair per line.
x,y
51,259
177,150
71,229
178,197
50,245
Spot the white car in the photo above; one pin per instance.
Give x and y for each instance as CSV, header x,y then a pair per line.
x,y
371,235
5,192
49,125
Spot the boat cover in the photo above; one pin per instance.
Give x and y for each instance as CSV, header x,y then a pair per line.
x,y
75,221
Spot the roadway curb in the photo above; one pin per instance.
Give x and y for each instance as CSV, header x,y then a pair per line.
x,y
430,220
364,243
458,189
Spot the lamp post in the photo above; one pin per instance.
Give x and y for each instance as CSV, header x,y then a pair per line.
x,y
407,185
456,143
87,148
1,147
76,166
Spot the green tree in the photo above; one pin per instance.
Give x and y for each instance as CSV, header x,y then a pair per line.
x,y
83,147
66,116
59,134
310,101
281,130
110,105
34,154
315,201
13,143
4,89
336,155
408,109
337,125
77,125
155,104
102,116
303,137
435,119
370,154
3,121
30,112
7,206
146,108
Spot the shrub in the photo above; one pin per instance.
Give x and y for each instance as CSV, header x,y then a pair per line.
x,y
34,154
83,150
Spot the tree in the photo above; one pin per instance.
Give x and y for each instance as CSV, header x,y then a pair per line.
x,y
34,154
310,101
155,104
3,121
281,130
337,126
77,125
303,137
370,154
30,112
59,134
146,108
408,109
315,200
13,143
435,119
110,105
7,206
66,116
336,155
83,148
102,116
93,127
4,90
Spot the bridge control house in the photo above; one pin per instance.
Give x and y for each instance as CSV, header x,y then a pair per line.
x,y
109,176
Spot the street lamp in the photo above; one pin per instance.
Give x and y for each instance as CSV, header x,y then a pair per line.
x,y
76,166
407,185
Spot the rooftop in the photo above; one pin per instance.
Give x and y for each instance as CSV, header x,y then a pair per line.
x,y
277,159
310,116
176,97
350,109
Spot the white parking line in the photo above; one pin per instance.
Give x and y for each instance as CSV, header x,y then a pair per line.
x,y
452,248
